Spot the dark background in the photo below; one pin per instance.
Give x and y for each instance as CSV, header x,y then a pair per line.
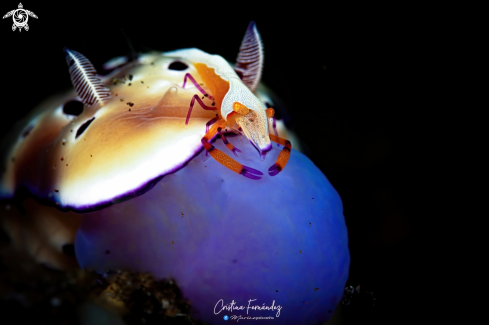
x,y
352,79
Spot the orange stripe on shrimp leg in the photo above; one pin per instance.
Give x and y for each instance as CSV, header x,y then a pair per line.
x,y
283,156
271,114
223,158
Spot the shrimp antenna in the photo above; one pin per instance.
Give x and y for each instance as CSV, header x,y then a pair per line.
x,y
133,53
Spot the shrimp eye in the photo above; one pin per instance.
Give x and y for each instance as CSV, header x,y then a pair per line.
x,y
178,66
276,108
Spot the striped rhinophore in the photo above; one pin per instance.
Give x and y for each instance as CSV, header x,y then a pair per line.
x,y
249,64
88,86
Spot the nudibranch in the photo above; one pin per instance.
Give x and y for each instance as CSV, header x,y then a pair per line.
x,y
129,148
71,156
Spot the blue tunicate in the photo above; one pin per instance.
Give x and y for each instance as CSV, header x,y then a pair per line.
x,y
230,243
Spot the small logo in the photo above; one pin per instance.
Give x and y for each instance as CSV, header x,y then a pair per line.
x,y
226,317
20,17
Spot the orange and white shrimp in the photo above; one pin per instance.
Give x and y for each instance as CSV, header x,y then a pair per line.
x,y
239,110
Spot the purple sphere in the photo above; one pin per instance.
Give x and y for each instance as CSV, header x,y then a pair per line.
x,y
280,242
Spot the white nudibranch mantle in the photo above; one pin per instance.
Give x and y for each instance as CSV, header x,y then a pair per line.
x,y
129,129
